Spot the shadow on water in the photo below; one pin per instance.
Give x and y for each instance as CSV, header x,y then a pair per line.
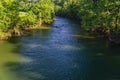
x,y
12,60
12,63
58,52
102,60
10,57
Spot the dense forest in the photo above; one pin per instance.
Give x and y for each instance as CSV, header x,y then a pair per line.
x,y
100,16
17,15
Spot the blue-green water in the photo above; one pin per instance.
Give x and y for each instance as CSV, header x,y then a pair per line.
x,y
58,52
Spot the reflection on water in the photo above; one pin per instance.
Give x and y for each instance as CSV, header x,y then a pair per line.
x,y
9,54
59,52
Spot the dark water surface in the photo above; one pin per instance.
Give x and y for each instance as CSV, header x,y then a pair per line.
x,y
59,52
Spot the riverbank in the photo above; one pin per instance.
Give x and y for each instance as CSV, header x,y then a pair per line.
x,y
17,32
19,16
62,53
96,33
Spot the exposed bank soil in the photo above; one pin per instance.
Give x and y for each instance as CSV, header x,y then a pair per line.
x,y
5,35
96,32
110,35
16,32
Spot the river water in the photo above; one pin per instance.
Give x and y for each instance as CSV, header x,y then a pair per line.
x,y
58,52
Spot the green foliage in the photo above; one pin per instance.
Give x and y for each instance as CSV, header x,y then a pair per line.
x,y
26,19
9,14
24,13
93,13
43,9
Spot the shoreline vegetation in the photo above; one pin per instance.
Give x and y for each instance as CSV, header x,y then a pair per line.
x,y
17,16
99,18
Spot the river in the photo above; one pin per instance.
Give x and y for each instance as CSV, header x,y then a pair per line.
x,y
58,52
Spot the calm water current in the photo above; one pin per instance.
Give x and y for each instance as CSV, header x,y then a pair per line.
x,y
58,52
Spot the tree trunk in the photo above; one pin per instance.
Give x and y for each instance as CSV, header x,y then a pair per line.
x,y
117,19
116,23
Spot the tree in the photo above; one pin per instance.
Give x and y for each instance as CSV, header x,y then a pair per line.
x,y
92,13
